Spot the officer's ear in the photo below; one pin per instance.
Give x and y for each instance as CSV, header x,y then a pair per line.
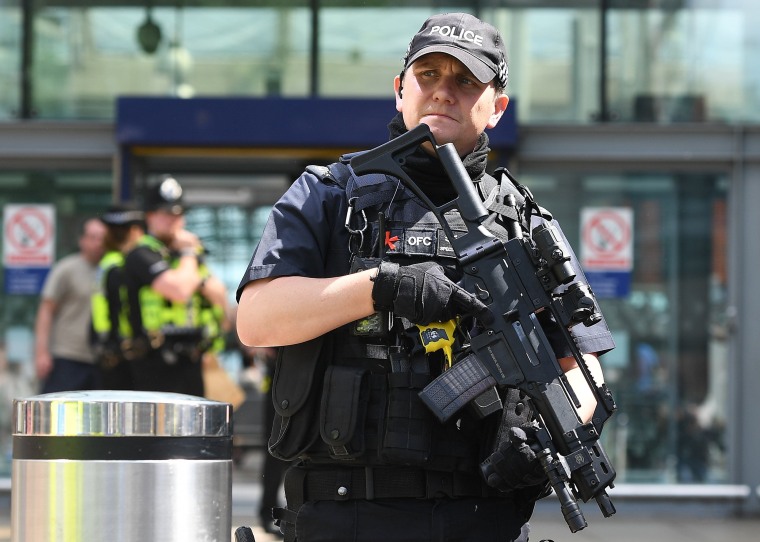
x,y
398,87
499,106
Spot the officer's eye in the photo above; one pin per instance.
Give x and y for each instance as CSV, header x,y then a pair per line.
x,y
467,81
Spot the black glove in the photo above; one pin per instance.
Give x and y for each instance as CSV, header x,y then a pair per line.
x,y
422,294
514,465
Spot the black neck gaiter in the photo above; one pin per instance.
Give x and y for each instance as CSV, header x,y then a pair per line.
x,y
427,171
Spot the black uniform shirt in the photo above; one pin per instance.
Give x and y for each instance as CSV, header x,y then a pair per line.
x,y
143,264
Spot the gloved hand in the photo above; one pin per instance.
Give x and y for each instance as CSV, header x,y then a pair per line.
x,y
422,294
514,465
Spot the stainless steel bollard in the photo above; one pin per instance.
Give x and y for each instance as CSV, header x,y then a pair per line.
x,y
121,466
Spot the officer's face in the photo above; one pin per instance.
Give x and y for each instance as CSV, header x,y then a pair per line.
x,y
164,225
441,92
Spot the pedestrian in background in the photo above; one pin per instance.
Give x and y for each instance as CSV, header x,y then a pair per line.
x,y
64,358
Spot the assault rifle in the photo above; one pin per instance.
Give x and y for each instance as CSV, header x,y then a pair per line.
x,y
516,279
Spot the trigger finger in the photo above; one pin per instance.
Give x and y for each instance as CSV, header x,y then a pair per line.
x,y
472,305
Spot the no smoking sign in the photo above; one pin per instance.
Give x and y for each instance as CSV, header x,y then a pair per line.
x,y
28,235
607,238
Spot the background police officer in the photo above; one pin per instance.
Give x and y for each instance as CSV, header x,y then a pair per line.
x,y
169,288
369,458
112,333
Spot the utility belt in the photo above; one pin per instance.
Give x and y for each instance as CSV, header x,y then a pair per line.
x,y
303,484
173,343
109,354
341,484
171,336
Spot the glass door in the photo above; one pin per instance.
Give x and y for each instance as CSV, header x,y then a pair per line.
x,y
667,312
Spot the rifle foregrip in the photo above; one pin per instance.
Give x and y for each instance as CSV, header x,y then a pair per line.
x,y
454,388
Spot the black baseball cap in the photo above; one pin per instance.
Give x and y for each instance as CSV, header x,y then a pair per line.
x,y
166,195
122,215
476,44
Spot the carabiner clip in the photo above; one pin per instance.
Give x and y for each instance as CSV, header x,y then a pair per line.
x,y
353,232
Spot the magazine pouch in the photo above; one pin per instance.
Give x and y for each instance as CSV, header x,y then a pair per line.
x,y
343,411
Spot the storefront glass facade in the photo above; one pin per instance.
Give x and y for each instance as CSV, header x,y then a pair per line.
x,y
667,312
665,62
570,61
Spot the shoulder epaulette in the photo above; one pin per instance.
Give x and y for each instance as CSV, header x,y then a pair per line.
x,y
363,190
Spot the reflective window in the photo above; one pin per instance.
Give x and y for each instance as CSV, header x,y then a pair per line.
x,y
688,64
553,56
361,49
10,59
692,62
669,369
87,56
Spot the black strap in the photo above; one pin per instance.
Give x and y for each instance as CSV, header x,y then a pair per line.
x,y
285,518
496,203
340,484
111,282
496,191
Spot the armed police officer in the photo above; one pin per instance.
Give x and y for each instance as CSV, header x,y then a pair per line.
x,y
340,281
177,308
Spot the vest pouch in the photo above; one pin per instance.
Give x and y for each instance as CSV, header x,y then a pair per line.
x,y
295,394
407,434
343,411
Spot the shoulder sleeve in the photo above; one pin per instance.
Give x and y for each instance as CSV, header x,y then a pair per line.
x,y
596,338
142,265
55,286
304,235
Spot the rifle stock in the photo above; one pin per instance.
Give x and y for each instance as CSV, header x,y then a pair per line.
x,y
516,279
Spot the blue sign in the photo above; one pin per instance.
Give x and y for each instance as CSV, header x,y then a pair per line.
x,y
24,280
609,284
269,122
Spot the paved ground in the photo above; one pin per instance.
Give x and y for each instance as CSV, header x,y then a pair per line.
x,y
650,523
625,526
637,527
635,521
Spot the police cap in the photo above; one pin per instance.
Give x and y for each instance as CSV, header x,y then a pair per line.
x,y
166,195
122,215
477,44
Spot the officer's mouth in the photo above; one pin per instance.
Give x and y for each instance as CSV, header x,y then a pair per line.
x,y
438,116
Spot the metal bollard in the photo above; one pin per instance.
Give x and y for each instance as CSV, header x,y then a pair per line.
x,y
121,466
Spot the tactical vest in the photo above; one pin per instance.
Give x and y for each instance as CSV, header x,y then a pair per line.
x,y
351,397
195,324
